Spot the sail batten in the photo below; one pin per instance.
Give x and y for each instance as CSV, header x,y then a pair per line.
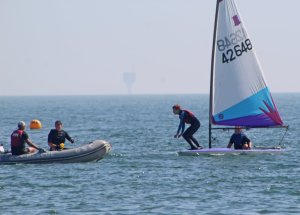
x,y
241,96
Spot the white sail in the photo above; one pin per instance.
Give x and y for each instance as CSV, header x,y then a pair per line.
x,y
240,93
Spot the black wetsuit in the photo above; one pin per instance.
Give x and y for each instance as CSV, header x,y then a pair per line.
x,y
57,137
186,116
239,140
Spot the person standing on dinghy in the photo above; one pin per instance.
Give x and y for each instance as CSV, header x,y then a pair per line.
x,y
188,117
18,139
57,137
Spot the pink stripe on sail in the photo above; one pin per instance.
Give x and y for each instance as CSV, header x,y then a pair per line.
x,y
272,114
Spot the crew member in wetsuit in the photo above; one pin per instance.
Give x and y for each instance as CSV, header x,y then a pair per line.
x,y
18,139
57,137
239,139
188,117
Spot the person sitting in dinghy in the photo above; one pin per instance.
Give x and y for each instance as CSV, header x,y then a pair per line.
x,y
57,137
188,117
239,139
18,139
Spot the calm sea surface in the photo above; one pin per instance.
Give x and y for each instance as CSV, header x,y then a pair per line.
x,y
143,174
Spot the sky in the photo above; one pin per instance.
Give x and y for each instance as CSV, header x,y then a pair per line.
x,y
84,47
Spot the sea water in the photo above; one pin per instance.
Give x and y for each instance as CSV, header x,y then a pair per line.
x,y
143,173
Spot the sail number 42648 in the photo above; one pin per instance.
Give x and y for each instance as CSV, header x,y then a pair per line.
x,y
236,51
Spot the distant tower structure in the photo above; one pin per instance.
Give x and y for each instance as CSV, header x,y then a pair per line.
x,y
129,79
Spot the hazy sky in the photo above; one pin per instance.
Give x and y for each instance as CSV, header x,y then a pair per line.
x,y
61,47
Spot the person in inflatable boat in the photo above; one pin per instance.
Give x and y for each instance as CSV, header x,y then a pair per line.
x,y
57,137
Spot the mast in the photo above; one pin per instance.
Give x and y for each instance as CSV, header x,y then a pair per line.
x,y
212,73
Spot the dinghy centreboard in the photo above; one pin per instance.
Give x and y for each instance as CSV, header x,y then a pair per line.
x,y
239,95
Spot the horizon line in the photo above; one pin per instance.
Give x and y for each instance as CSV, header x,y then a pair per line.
x,y
125,94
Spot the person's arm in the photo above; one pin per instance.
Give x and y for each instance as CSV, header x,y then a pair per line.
x,y
229,145
50,142
247,140
28,141
250,145
68,137
181,126
52,145
230,142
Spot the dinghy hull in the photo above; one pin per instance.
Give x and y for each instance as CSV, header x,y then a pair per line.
x,y
223,151
93,151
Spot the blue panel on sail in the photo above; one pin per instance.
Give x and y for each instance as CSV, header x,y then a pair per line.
x,y
257,110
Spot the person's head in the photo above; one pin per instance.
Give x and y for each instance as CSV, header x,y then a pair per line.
x,y
237,129
58,125
21,125
176,109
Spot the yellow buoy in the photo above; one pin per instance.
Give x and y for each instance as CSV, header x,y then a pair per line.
x,y
35,124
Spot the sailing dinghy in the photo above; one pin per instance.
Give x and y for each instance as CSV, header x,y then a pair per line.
x,y
239,95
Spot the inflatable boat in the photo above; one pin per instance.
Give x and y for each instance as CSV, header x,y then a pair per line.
x,y
93,151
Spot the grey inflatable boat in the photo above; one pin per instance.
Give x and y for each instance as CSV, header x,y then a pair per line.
x,y
93,151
